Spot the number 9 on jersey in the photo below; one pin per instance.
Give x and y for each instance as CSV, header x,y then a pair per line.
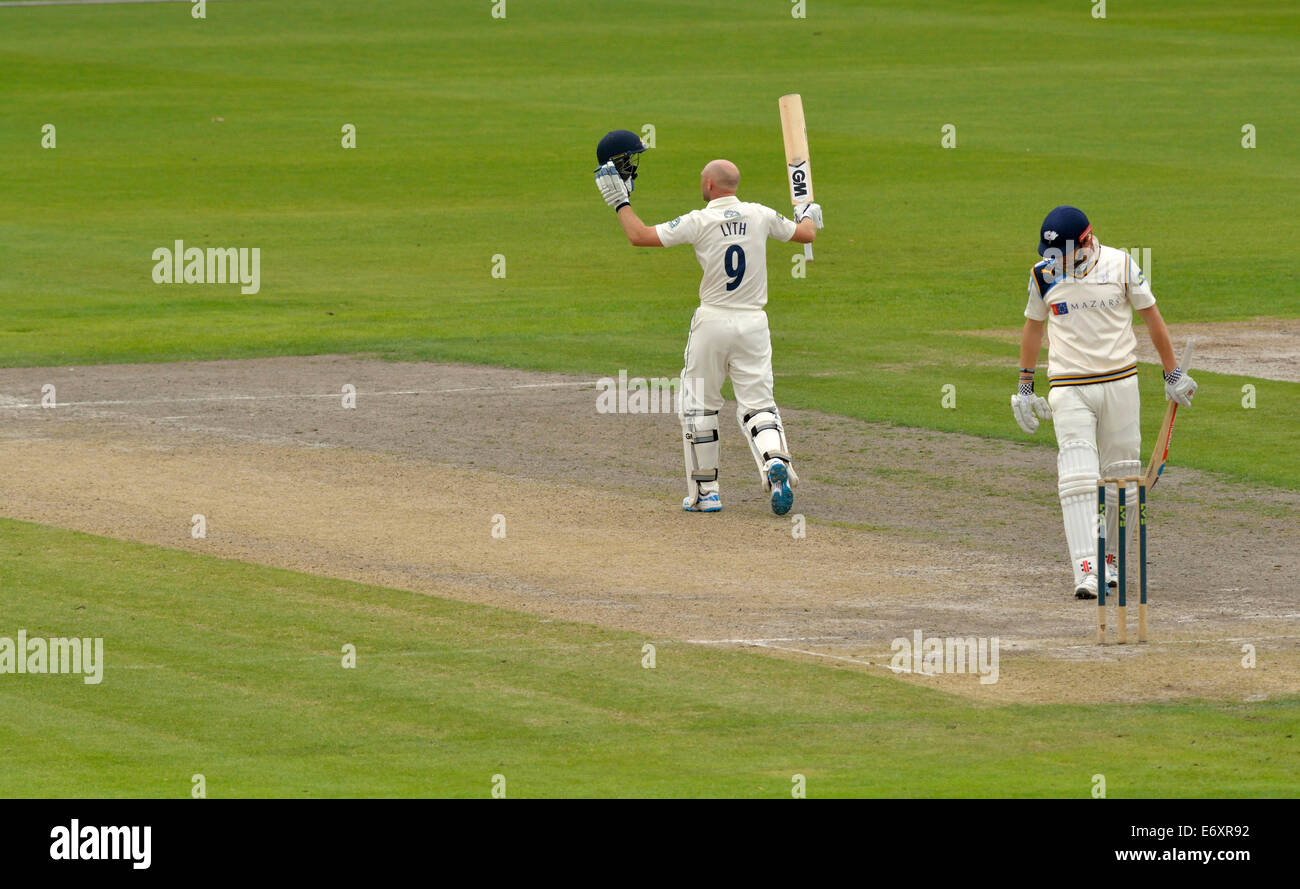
x,y
733,263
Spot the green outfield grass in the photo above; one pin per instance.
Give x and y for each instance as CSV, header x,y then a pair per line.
x,y
233,671
476,137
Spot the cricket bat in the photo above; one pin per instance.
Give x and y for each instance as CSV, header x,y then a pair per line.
x,y
1160,455
797,168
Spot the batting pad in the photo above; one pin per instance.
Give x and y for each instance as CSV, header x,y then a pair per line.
x,y
766,436
1077,475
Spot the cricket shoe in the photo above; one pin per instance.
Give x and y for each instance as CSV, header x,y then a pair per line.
x,y
1087,589
708,502
778,475
1112,576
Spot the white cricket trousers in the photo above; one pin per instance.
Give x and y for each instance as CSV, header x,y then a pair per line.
x,y
728,342
1098,434
1108,415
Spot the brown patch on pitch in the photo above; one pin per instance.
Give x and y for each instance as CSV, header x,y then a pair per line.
x,y
1267,348
953,535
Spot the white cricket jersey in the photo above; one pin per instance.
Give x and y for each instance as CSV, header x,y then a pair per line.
x,y
1090,317
730,238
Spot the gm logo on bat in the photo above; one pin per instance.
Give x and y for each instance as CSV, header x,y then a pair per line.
x,y
799,181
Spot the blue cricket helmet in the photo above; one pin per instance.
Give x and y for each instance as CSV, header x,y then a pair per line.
x,y
1064,225
623,147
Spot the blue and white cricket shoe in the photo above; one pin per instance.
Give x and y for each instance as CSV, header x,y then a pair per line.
x,y
709,502
782,497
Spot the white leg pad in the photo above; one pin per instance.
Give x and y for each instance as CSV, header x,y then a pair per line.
x,y
700,449
1076,466
766,437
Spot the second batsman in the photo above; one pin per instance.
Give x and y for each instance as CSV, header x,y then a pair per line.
x,y
1085,294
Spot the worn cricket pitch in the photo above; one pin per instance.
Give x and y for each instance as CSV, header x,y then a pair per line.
x,y
906,529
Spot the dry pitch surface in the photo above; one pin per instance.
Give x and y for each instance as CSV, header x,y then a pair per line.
x,y
906,529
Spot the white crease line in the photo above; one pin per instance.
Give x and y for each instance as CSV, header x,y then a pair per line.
x,y
1028,646
761,643
851,660
336,395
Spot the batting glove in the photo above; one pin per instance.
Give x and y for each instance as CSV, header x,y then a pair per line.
x,y
1179,387
805,211
1025,404
612,187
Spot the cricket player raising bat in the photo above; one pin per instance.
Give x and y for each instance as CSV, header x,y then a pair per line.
x,y
728,335
1086,294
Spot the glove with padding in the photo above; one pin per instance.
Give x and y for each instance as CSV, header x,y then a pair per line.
x,y
806,211
612,187
1179,387
1025,404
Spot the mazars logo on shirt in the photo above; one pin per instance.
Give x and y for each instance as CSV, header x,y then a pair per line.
x,y
1082,305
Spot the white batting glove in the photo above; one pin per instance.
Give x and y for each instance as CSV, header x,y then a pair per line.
x,y
612,187
804,211
1179,387
1025,404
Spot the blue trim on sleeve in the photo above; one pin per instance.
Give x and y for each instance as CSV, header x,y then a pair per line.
x,y
1044,283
